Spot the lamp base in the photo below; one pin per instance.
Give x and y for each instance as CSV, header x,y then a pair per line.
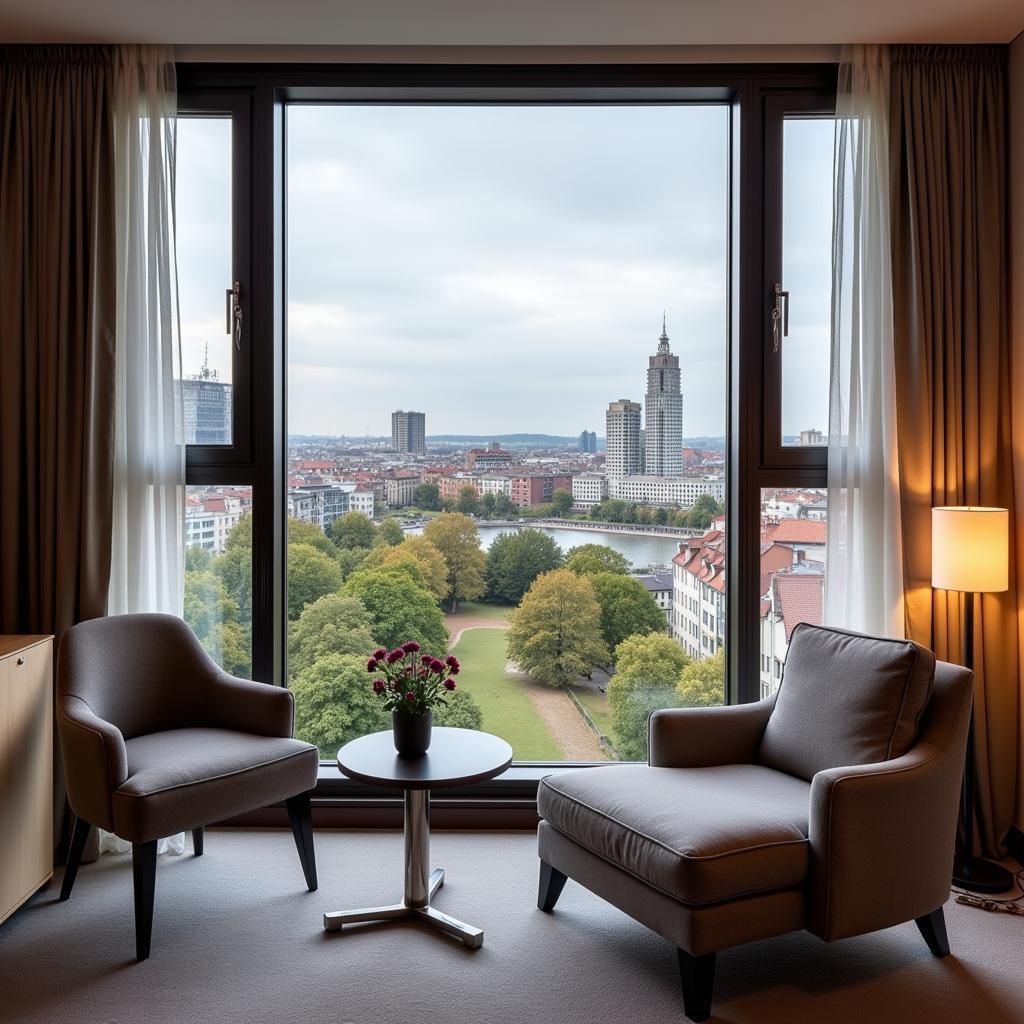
x,y
977,875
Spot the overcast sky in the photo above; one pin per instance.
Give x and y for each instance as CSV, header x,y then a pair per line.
x,y
502,269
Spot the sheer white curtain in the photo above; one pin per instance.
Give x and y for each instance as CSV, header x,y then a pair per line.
x,y
864,581
147,564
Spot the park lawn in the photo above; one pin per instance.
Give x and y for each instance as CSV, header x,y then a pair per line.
x,y
598,707
498,612
507,709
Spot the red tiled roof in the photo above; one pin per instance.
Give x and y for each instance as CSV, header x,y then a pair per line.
x,y
796,531
799,598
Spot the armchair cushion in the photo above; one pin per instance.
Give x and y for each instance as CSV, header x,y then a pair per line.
x,y
699,835
845,699
184,778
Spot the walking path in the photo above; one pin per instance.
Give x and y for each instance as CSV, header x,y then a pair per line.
x,y
457,624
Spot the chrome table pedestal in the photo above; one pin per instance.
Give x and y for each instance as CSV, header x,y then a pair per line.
x,y
421,884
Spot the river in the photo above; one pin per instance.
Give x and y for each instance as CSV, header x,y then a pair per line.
x,y
641,551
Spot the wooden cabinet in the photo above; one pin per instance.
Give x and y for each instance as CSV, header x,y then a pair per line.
x,y
26,768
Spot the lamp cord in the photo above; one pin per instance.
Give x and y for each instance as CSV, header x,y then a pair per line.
x,y
1004,905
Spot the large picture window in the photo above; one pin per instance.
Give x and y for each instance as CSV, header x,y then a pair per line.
x,y
506,385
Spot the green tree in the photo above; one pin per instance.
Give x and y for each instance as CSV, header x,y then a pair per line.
x,y
234,568
627,608
332,624
555,636
350,559
213,617
488,503
515,560
652,662
661,515
335,703
300,532
456,537
311,574
702,684
353,530
197,559
400,605
469,501
241,534
504,506
428,496
562,500
589,559
390,532
704,509
461,712
426,558
631,720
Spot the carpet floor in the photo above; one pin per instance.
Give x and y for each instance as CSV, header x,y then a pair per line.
x,y
238,939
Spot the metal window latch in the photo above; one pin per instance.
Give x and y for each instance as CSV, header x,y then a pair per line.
x,y
234,314
780,317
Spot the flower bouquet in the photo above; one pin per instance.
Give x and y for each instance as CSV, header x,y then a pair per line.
x,y
411,685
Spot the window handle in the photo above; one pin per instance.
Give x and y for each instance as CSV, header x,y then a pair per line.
x,y
780,317
233,323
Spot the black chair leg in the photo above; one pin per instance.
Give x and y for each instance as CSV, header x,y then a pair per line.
x,y
933,929
697,973
549,886
197,841
79,837
144,877
302,830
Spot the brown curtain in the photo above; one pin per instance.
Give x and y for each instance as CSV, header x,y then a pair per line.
x,y
949,208
56,337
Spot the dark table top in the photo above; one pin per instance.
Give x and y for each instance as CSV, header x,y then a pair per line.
x,y
457,757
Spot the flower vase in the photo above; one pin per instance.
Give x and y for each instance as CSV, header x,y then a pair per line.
x,y
411,732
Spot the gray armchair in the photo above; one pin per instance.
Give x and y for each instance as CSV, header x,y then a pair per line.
x,y
158,739
831,806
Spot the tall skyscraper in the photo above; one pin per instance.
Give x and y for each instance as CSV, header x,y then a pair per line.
x,y
663,413
408,431
206,408
622,433
588,441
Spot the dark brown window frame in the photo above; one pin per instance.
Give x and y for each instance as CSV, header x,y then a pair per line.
x,y
753,93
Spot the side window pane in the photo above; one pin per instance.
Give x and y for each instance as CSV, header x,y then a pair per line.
x,y
218,573
807,273
203,214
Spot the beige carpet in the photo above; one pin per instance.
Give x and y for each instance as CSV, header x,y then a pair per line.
x,y
238,939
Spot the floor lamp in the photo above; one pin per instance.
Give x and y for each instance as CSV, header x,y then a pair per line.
x,y
970,554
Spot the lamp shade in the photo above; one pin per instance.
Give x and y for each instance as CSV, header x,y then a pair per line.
x,y
970,548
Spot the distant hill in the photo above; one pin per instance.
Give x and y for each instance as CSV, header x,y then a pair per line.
x,y
509,440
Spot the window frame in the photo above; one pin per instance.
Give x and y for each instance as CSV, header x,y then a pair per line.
x,y
753,93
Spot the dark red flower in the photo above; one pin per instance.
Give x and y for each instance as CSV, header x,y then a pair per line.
x,y
453,663
410,647
378,686
410,696
396,655
449,684
423,673
380,654
437,664
371,665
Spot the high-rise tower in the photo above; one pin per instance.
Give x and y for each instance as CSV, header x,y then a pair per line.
x,y
663,412
408,430
622,438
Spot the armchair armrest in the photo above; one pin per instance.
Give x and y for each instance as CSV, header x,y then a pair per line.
x,y
258,708
881,841
703,737
95,760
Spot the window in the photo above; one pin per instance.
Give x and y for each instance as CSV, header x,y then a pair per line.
x,y
413,251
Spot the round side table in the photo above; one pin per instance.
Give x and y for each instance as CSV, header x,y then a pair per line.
x,y
457,757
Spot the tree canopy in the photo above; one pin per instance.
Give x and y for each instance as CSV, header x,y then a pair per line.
x,y
353,530
561,499
426,558
456,537
333,624
468,500
702,684
652,662
400,605
627,608
427,496
515,560
555,636
311,574
300,532
390,532
588,559
461,711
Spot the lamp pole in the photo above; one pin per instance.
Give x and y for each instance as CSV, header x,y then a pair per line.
x,y
970,872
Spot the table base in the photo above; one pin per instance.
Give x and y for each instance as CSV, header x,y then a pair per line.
x,y
419,889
